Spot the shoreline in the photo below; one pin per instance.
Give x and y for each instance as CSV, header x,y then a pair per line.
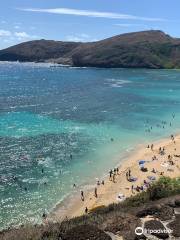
x,y
58,65
72,206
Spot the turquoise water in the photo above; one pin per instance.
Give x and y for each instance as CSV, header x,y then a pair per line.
x,y
48,114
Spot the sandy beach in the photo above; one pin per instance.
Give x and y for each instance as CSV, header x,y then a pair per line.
x,y
165,163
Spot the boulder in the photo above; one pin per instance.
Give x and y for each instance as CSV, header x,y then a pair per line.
x,y
175,226
177,202
150,210
157,227
123,225
163,212
141,237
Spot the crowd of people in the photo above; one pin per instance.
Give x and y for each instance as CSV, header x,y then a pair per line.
x,y
134,184
148,180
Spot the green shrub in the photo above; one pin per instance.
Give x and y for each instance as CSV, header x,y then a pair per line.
x,y
164,187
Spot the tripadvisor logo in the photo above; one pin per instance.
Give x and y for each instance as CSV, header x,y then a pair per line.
x,y
139,231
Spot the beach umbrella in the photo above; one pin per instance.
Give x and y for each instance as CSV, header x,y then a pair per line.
x,y
142,162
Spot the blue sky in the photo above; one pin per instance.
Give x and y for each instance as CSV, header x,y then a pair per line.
x,y
84,20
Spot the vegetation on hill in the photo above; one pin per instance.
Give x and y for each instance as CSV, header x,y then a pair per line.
x,y
146,49
120,218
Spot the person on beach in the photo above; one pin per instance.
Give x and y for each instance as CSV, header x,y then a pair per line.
x,y
152,147
132,188
114,178
86,210
160,150
110,175
82,196
127,176
44,217
95,193
163,150
129,173
137,188
98,183
102,182
117,170
146,183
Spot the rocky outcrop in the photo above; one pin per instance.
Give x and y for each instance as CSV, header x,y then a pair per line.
x,y
175,226
123,225
85,232
39,51
156,228
162,212
177,202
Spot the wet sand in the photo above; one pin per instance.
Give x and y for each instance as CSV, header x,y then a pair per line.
x,y
108,193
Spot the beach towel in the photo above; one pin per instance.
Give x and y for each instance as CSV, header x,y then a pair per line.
x,y
132,179
152,178
165,165
121,197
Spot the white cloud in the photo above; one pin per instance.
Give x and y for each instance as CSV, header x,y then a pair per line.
x,y
80,38
9,35
87,13
4,33
72,38
129,25
22,35
14,37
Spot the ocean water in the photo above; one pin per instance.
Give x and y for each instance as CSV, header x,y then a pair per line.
x,y
56,126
